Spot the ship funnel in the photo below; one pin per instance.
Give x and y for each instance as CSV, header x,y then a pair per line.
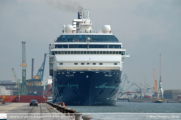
x,y
79,15
32,69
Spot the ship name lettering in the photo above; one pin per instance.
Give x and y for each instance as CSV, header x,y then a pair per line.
x,y
107,75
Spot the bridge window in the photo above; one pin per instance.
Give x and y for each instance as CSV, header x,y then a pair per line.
x,y
114,46
75,63
88,52
82,63
61,46
100,63
115,63
97,38
94,63
98,46
53,53
61,63
77,46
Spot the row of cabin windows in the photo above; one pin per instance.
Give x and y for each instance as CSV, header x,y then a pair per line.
x,y
88,52
89,63
87,46
83,38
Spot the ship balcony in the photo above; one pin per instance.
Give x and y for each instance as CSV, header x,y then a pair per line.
x,y
89,52
88,67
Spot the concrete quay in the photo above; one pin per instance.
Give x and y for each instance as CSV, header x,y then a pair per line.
x,y
22,111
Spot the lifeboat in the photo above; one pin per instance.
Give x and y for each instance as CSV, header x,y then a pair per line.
x,y
61,104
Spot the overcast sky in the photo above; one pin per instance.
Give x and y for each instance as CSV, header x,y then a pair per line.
x,y
147,28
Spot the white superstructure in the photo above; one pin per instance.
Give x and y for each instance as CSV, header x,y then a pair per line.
x,y
81,48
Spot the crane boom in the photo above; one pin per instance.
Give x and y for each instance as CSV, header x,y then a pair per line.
x,y
125,78
17,82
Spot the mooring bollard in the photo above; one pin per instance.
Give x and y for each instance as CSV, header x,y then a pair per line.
x,y
86,117
77,115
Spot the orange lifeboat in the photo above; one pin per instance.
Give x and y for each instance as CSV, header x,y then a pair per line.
x,y
61,103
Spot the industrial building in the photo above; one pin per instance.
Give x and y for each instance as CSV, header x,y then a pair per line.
x,y
172,94
7,87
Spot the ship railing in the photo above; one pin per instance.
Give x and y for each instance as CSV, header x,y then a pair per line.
x,y
83,41
92,48
87,31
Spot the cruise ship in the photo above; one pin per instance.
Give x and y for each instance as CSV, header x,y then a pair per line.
x,y
85,64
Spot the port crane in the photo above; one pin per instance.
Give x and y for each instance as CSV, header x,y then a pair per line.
x,y
155,97
134,83
17,82
37,80
146,86
124,78
23,86
160,90
155,84
40,73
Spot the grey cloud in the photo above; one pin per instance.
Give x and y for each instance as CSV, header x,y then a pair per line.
x,y
64,5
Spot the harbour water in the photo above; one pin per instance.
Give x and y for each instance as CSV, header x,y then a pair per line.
x,y
133,111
